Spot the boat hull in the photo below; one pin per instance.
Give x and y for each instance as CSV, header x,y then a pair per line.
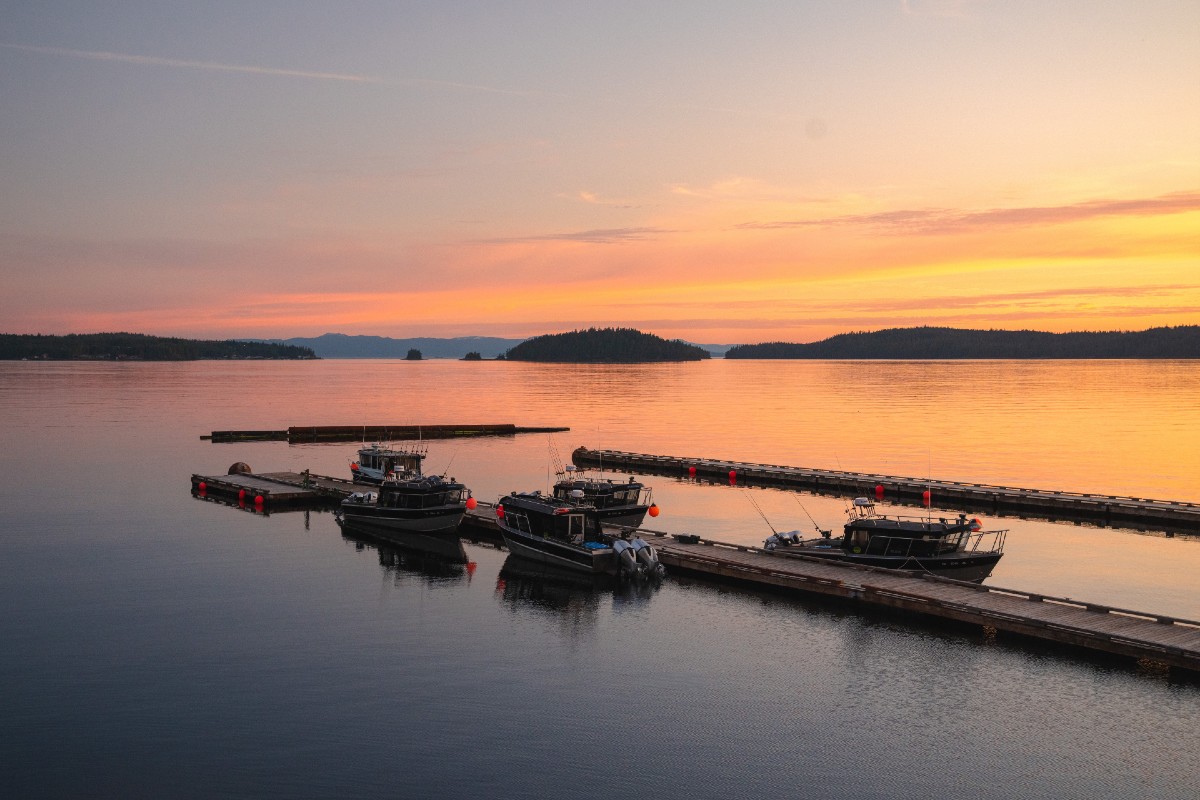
x,y
558,554
432,521
973,567
443,547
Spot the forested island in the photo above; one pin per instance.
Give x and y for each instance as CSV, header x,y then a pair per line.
x,y
605,346
137,347
954,343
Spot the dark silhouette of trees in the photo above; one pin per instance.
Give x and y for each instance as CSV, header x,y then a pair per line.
x,y
138,347
605,346
413,355
953,343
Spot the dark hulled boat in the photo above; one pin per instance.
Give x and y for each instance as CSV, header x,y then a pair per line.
x,y
427,504
617,503
568,534
954,548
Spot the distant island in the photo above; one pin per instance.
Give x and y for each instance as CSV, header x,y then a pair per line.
x,y
137,347
954,343
605,346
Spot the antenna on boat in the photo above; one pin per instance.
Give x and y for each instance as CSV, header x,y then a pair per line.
x,y
754,503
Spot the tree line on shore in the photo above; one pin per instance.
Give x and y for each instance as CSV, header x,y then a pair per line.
x,y
954,343
137,347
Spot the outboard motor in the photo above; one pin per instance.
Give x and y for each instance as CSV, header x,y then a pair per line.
x,y
793,537
648,556
626,559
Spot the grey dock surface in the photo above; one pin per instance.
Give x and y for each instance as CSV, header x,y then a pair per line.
x,y
1136,512
1135,634
1140,635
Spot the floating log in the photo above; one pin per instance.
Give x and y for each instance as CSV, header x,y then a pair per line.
x,y
307,434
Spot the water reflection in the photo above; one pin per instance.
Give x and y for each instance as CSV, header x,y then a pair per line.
x,y
524,583
431,556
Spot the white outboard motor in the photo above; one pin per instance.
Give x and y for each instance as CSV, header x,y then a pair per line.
x,y
626,559
648,556
771,542
792,536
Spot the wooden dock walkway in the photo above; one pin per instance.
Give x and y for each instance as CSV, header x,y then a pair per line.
x,y
1168,640
308,434
1134,512
275,491
1140,635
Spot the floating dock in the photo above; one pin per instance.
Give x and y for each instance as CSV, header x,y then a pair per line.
x,y
1157,638
1134,512
308,434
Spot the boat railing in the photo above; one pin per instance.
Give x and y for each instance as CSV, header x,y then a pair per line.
x,y
972,542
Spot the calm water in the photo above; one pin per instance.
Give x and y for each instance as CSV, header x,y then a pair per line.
x,y
156,645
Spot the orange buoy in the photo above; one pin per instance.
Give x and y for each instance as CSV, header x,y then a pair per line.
x,y
471,503
653,511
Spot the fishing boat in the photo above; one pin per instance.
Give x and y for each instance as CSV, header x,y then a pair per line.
x,y
568,533
617,503
954,548
428,504
376,462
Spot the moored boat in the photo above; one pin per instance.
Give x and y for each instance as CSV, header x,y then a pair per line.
x,y
568,533
376,462
954,548
428,504
617,503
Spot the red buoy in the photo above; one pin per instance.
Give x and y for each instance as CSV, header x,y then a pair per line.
x,y
879,491
691,472
733,474
925,498
241,495
258,500
471,503
203,487
653,511
500,512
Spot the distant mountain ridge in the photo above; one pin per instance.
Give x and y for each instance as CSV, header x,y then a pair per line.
x,y
341,345
954,343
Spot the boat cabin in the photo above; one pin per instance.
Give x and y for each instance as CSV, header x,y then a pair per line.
x,y
377,460
420,494
549,518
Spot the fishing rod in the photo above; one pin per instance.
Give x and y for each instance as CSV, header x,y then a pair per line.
x,y
754,503
825,534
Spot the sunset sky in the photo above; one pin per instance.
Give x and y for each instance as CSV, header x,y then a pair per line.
x,y
722,172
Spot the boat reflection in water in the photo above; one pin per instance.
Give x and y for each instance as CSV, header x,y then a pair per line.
x,y
434,556
526,582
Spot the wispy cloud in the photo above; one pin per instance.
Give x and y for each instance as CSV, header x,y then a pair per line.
x,y
597,236
178,63
942,220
